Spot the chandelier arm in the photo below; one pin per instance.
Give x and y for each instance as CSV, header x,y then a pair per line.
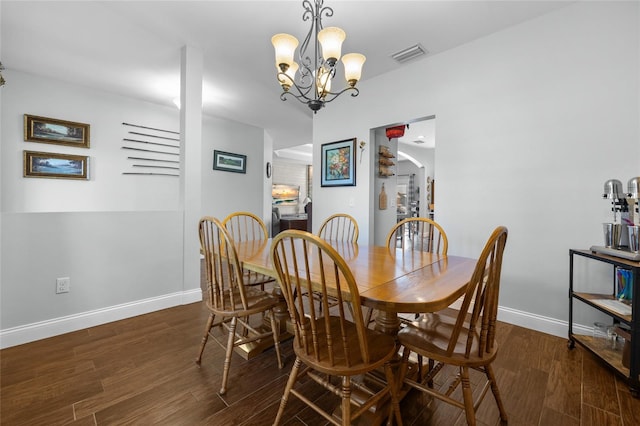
x,y
331,95
303,91
301,97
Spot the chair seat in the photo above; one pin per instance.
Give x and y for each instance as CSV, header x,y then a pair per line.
x,y
430,335
254,278
257,301
382,348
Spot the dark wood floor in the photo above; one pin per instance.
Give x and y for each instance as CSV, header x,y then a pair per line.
x,y
142,371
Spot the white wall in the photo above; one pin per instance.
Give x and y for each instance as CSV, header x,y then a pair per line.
x,y
531,122
119,238
108,189
226,192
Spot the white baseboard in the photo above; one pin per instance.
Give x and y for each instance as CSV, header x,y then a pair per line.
x,y
44,329
536,322
531,321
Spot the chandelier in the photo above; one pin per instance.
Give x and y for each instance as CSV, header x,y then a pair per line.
x,y
312,84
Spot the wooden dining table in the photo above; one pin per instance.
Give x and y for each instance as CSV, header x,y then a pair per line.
x,y
392,281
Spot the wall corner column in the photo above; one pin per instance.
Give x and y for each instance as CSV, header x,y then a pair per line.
x,y
191,71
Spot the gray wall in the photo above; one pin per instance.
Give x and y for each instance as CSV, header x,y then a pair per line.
x,y
119,238
531,121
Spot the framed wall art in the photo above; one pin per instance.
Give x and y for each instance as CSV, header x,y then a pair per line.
x,y
56,166
59,132
285,195
338,163
229,162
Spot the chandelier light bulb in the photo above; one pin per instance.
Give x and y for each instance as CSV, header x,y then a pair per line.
x,y
331,39
324,83
285,46
353,67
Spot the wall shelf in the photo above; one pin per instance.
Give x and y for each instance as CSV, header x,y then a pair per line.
x,y
385,164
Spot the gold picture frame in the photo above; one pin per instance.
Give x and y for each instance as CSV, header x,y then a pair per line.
x,y
54,131
55,166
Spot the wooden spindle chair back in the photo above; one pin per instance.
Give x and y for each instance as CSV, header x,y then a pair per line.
x,y
339,227
230,300
222,267
418,233
482,297
333,342
304,264
466,341
245,226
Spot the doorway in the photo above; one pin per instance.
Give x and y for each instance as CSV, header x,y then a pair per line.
x,y
408,183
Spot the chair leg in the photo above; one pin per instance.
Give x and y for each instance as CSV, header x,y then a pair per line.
x,y
367,320
468,396
229,353
346,401
404,366
205,338
496,393
276,337
293,376
394,410
431,365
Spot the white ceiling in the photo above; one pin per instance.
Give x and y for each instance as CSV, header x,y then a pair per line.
x,y
133,47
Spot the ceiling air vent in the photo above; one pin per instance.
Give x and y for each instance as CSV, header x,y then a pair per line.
x,y
409,53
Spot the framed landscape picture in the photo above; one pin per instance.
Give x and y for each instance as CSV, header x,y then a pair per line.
x,y
338,163
56,166
59,132
229,162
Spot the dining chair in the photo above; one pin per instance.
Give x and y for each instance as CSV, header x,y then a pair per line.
x,y
466,341
246,226
230,300
328,344
418,233
339,227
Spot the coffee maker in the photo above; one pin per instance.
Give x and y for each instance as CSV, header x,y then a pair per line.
x,y
621,235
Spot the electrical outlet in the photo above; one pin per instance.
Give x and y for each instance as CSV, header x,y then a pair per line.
x,y
63,285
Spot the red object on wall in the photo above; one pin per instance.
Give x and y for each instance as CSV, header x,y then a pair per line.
x,y
395,132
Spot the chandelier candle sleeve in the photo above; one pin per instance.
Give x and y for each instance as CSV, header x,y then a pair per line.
x,y
309,80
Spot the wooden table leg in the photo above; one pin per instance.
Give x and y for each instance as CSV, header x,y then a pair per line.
x,y
387,322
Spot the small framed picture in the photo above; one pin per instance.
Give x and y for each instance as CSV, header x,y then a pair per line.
x,y
56,166
229,162
338,163
59,132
